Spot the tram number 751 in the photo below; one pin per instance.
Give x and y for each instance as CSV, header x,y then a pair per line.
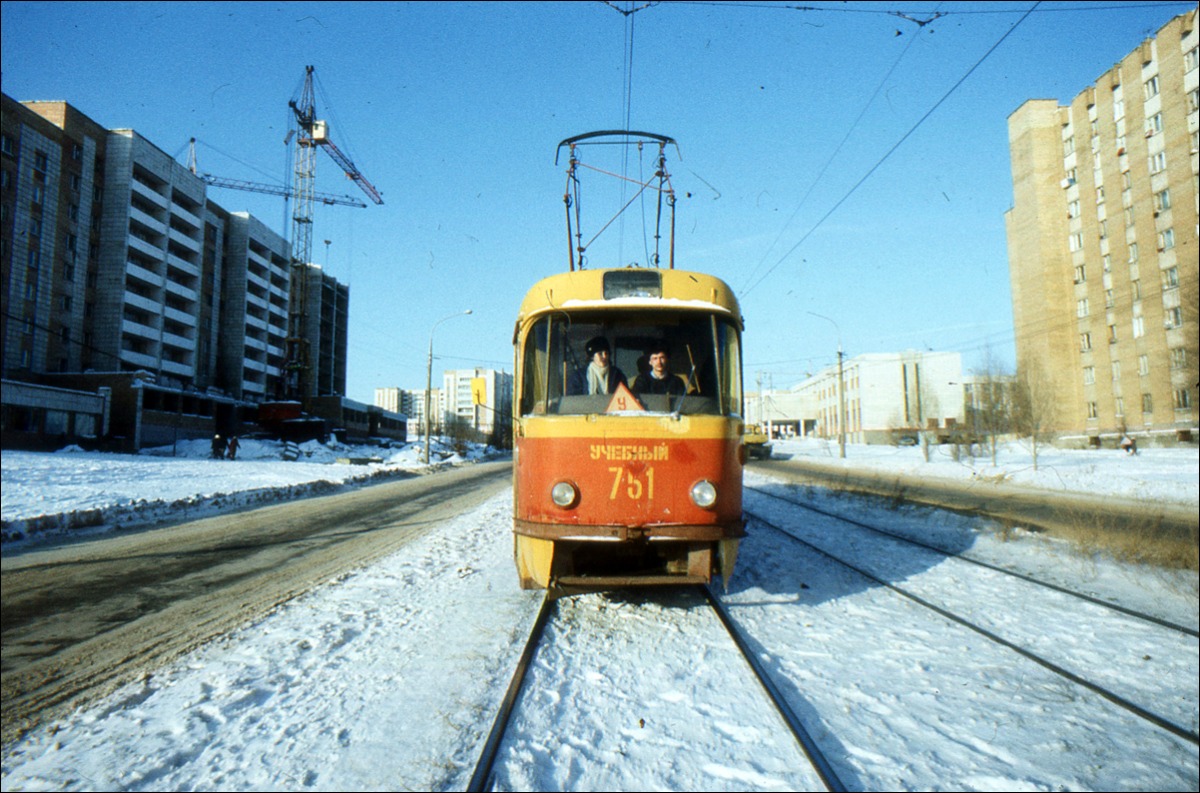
x,y
637,486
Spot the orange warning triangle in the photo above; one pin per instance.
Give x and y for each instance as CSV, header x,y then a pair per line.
x,y
623,400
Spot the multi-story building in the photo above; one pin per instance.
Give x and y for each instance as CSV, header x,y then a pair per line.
x,y
883,396
479,398
254,310
322,340
411,403
148,312
53,183
1102,241
121,274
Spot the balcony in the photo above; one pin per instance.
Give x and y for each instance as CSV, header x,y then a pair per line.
x,y
139,359
184,241
148,277
144,303
179,290
131,328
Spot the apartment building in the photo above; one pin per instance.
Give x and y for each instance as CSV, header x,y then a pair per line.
x,y
411,403
1102,241
121,273
322,340
479,398
53,183
254,310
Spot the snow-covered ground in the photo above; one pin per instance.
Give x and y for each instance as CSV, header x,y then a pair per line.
x,y
387,678
73,491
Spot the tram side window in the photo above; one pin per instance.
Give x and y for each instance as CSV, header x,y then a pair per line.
x,y
534,370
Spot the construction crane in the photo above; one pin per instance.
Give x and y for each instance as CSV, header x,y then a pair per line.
x,y
328,199
310,134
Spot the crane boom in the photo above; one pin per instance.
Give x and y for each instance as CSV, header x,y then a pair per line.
x,y
270,189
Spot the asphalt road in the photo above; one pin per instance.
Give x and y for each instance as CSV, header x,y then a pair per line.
x,y
82,619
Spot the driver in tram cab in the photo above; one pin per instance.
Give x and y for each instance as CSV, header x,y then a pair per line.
x,y
659,379
600,376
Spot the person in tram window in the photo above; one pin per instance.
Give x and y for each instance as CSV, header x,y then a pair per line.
x,y
659,379
600,376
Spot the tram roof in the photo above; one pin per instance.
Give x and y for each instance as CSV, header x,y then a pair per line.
x,y
630,288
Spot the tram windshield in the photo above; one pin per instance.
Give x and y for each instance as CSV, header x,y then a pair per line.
x,y
702,361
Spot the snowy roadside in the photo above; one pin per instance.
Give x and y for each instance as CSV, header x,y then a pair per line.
x,y
72,492
1153,475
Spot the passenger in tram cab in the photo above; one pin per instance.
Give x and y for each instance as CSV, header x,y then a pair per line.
x,y
659,379
600,376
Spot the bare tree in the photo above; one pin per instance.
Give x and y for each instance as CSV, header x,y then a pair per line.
x,y
1034,406
991,405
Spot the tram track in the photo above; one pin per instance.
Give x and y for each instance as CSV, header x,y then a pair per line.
x,y
960,557
1140,711
483,776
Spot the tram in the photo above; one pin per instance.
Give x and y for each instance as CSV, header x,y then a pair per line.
x,y
618,482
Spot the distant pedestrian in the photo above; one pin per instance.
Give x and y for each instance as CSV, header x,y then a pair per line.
x,y
218,447
233,448
1129,445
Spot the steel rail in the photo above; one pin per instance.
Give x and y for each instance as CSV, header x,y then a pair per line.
x,y
1162,623
487,758
1111,696
815,756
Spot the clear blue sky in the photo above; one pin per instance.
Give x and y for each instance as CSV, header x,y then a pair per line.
x,y
454,110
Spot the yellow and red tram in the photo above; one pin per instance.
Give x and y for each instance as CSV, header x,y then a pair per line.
x,y
620,488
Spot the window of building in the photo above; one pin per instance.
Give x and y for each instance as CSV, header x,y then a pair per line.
x,y
1092,411
1170,278
1080,273
1158,162
1135,287
40,161
1075,242
1183,399
1150,87
1089,375
1174,317
1190,60
1116,370
1179,357
1120,406
1166,239
1085,342
1110,299
8,145
1147,403
1130,216
1112,334
1154,124
1073,209
1069,146
1162,200
1139,327
1133,251
1143,365
1081,308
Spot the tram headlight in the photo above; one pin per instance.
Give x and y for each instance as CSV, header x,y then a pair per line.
x,y
564,495
704,494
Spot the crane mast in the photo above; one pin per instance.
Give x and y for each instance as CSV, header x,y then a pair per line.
x,y
310,134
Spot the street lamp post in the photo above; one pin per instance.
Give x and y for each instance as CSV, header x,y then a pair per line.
x,y
841,390
429,376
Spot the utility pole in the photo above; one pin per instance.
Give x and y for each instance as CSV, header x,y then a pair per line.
x,y
841,390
